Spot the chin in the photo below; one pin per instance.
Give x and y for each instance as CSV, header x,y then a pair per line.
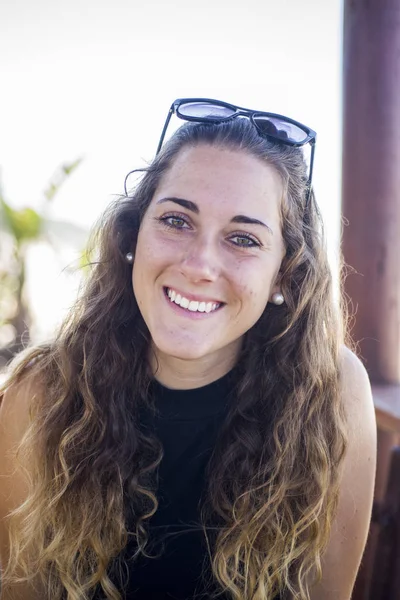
x,y
183,350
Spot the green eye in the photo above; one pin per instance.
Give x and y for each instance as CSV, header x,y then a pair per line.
x,y
244,241
173,221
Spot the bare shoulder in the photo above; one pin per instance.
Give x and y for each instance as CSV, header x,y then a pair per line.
x,y
350,528
360,462
356,389
15,418
19,392
15,404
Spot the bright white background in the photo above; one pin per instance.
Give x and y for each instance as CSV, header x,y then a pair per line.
x,y
95,78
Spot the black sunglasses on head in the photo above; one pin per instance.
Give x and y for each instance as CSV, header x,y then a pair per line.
x,y
270,125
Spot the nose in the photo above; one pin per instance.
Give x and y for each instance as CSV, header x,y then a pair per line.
x,y
201,261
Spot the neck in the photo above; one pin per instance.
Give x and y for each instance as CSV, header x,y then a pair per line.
x,y
181,374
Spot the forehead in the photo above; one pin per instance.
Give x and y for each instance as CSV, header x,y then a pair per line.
x,y
231,178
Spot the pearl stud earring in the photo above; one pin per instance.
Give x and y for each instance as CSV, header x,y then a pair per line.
x,y
129,257
277,298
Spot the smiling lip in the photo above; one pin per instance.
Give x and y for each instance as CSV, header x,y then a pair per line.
x,y
185,306
194,297
188,314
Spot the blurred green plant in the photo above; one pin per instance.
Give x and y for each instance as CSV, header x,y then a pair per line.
x,y
20,228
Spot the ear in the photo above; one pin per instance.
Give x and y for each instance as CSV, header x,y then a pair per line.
x,y
276,288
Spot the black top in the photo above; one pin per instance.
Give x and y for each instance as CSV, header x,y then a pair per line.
x,y
187,426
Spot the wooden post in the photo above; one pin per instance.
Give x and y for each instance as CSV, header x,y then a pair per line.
x,y
371,179
371,205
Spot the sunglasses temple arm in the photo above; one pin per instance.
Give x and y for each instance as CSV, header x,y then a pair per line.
x,y
160,143
126,179
311,171
170,113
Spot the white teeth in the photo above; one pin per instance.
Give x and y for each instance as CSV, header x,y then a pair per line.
x,y
184,303
192,305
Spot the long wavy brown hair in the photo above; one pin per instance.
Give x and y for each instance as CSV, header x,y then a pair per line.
x,y
92,473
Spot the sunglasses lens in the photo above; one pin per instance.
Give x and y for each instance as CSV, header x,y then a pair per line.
x,y
279,129
205,110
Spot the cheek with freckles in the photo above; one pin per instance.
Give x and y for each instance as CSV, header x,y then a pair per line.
x,y
255,293
251,301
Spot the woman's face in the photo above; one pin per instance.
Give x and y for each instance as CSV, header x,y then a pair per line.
x,y
209,252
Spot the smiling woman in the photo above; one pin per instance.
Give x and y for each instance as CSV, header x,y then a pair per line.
x,y
200,254
199,399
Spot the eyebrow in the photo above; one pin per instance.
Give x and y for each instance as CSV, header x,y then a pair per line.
x,y
192,206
